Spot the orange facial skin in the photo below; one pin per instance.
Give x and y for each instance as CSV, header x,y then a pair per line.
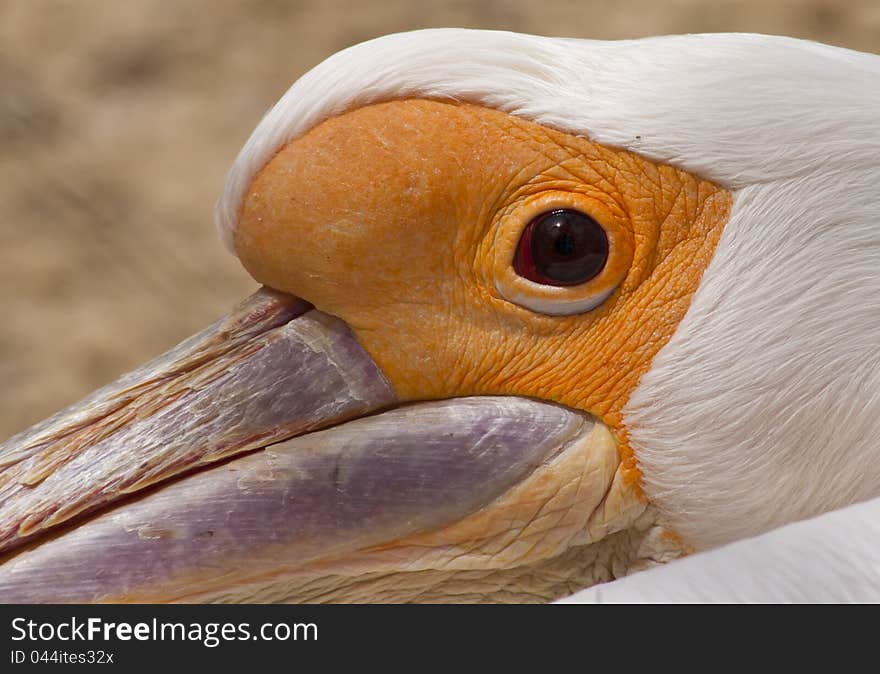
x,y
401,218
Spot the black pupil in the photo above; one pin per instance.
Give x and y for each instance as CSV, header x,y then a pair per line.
x,y
567,248
565,244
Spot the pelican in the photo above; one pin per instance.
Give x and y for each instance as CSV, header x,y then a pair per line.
x,y
536,314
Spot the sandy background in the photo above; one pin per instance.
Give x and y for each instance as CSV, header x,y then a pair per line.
x,y
118,121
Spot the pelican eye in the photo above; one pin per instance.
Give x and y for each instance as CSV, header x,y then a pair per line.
x,y
563,247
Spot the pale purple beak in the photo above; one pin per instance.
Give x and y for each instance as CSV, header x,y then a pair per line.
x,y
131,495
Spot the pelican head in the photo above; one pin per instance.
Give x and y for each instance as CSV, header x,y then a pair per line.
x,y
535,313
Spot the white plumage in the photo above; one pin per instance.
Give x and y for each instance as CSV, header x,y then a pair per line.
x,y
831,558
764,408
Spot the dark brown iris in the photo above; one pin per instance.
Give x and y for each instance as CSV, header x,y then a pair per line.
x,y
561,248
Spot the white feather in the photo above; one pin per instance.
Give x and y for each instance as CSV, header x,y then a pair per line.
x,y
832,558
737,108
764,407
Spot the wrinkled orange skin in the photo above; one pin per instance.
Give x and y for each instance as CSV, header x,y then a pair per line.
x,y
386,217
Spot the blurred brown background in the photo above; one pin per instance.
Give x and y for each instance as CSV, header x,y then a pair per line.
x,y
118,121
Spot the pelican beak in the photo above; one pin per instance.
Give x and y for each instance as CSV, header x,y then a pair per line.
x,y
206,475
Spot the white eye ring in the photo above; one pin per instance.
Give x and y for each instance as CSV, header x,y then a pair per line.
x,y
560,300
553,306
